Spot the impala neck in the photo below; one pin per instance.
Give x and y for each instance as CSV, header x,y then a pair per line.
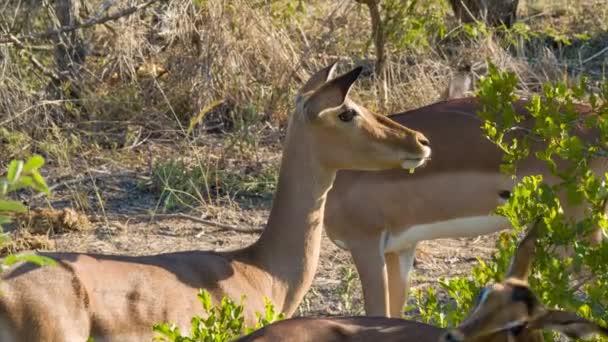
x,y
288,249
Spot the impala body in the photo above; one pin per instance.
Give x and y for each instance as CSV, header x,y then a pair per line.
x,y
119,298
380,217
507,311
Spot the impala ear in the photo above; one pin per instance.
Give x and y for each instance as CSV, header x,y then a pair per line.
x,y
332,94
524,254
567,323
319,78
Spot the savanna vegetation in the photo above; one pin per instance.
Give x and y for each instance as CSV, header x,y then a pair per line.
x,y
157,125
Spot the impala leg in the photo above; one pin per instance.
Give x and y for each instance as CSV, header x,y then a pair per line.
x,y
371,267
399,267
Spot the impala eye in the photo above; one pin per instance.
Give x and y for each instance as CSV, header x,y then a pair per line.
x,y
504,194
347,115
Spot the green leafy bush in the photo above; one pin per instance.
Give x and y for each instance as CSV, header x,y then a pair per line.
x,y
414,24
578,282
223,323
20,175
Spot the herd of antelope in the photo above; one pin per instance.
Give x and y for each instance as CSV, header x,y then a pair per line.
x,y
342,170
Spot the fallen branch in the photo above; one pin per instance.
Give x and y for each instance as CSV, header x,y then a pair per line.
x,y
602,51
6,39
221,226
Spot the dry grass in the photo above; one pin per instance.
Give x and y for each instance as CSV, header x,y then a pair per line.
x,y
35,229
236,65
157,70
48,221
26,241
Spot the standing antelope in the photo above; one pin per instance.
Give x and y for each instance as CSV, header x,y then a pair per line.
x,y
119,298
380,217
507,311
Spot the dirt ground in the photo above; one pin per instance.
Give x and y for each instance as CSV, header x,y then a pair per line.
x,y
116,187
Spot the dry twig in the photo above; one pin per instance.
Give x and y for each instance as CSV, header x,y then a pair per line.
x,y
221,226
4,39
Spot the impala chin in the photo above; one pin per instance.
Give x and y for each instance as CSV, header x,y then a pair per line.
x,y
412,163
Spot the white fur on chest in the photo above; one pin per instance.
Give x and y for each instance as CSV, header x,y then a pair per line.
x,y
455,228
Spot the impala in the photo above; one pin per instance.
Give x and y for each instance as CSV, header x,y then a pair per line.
x,y
506,311
119,298
380,217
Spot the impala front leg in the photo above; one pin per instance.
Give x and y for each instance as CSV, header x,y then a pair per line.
x,y
399,267
371,267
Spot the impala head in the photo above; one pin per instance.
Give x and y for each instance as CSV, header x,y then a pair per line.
x,y
511,306
348,136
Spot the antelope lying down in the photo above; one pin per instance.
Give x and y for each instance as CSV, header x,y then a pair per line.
x,y
506,311
119,298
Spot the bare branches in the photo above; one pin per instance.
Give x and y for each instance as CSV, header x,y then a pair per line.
x,y
8,39
379,39
35,62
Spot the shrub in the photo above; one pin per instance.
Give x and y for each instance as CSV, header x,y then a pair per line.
x,y
20,175
578,282
223,323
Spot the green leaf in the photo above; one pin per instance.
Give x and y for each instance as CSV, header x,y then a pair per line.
x,y
205,299
33,258
14,170
23,182
39,183
12,206
33,163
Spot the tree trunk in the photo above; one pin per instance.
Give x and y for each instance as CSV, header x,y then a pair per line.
x,y
493,12
379,39
70,52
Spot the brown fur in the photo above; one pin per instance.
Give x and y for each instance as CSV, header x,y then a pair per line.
x,y
119,298
503,304
461,180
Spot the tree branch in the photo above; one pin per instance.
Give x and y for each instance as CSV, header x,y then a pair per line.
x,y
221,226
6,39
35,62
379,37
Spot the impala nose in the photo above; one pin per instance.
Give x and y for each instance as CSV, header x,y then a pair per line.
x,y
424,144
452,336
422,140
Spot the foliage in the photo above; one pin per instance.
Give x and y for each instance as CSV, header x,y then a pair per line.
x,y
223,323
519,32
283,12
578,281
183,185
412,24
20,175
345,290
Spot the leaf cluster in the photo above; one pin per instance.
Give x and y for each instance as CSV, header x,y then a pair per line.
x,y
552,134
223,322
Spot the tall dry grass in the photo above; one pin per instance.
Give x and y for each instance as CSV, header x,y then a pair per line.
x,y
156,70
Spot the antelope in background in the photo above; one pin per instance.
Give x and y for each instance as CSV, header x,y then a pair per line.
x,y
507,311
380,217
119,298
